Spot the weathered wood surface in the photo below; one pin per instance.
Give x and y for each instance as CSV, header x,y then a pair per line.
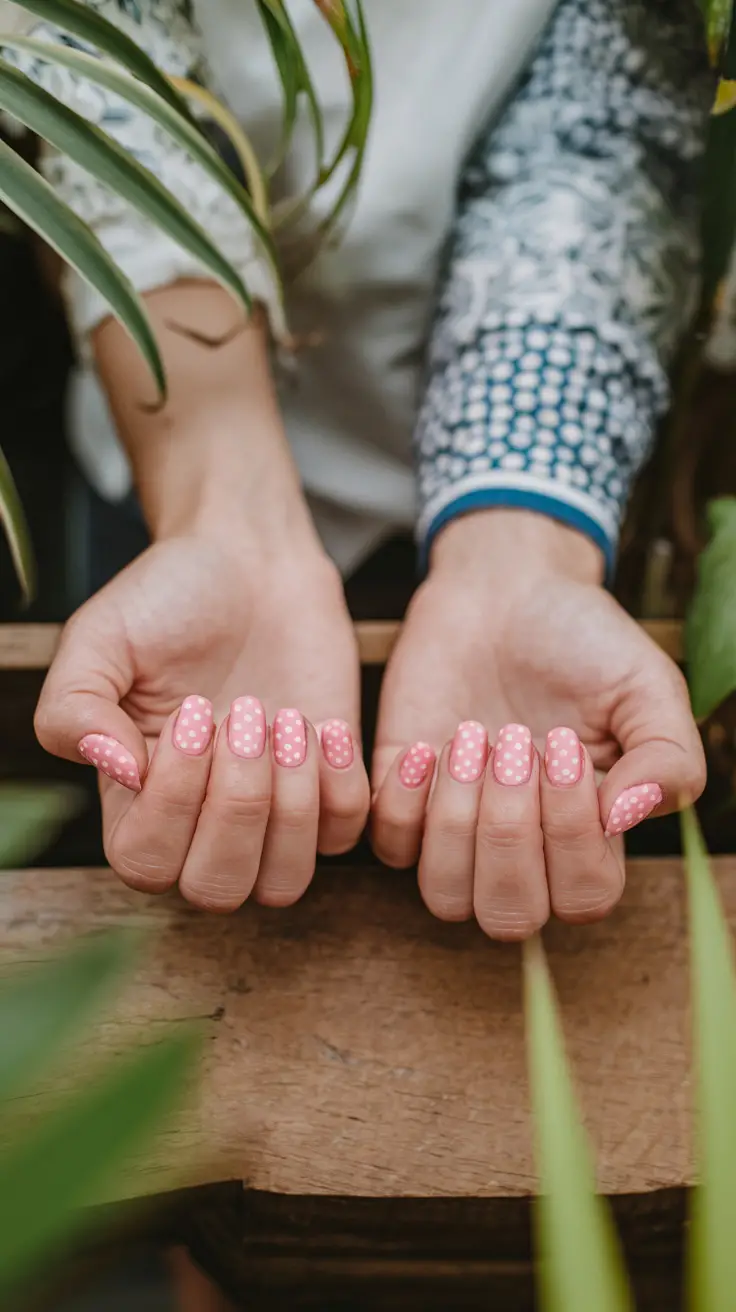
x,y
357,1047
32,646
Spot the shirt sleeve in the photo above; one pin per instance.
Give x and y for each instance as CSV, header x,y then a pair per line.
x,y
165,30
571,271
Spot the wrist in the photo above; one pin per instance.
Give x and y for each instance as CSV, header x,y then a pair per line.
x,y
504,542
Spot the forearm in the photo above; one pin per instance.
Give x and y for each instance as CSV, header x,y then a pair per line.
x,y
215,453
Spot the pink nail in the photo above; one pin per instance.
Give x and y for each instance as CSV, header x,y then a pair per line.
x,y
512,758
469,752
289,738
416,765
194,726
337,744
632,806
563,757
246,727
108,755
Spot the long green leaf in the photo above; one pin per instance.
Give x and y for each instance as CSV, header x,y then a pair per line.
x,y
106,160
180,129
710,634
42,1008
580,1267
717,14
34,201
86,23
67,1163
31,815
13,520
712,1250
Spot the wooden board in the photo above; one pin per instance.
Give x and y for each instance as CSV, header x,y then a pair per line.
x,y
357,1047
32,646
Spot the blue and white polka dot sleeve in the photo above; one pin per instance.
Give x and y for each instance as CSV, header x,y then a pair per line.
x,y
571,272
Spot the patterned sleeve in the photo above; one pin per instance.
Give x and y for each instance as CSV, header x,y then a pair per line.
x,y
164,28
571,271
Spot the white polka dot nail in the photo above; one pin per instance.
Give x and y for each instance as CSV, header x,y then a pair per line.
x,y
632,806
513,755
416,765
112,759
469,752
194,726
563,757
289,739
246,728
337,744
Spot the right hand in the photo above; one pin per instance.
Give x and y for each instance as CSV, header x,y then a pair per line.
x,y
205,617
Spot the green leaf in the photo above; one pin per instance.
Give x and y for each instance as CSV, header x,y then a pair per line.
x,y
718,221
34,201
180,129
14,522
106,160
67,1162
717,14
42,1008
710,633
580,1267
86,23
31,815
712,1251
295,78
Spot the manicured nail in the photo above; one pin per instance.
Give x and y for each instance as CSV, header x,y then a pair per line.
x,y
289,738
416,765
563,757
108,755
194,726
632,806
469,752
512,758
246,727
337,744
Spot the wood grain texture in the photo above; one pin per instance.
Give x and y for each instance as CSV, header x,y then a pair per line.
x,y
357,1047
32,646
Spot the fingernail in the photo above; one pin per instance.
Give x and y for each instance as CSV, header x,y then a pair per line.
x,y
108,755
469,752
563,757
632,806
194,726
512,758
289,738
246,727
337,744
416,765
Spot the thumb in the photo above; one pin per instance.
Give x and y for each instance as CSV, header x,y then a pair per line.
x,y
79,716
663,764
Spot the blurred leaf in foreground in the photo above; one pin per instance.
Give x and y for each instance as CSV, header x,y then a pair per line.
x,y
712,1249
710,637
42,1008
31,815
579,1262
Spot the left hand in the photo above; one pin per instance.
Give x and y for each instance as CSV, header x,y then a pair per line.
x,y
513,631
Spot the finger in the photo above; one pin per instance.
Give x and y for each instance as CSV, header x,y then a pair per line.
x,y
221,867
511,899
78,716
290,846
663,764
448,847
584,872
400,805
344,792
147,841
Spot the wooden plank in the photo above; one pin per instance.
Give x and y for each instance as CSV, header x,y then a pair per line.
x,y
358,1047
32,646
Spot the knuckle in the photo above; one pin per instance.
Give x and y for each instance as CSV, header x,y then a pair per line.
x,y
507,922
213,897
172,807
296,818
571,836
456,828
589,898
142,872
452,906
237,810
496,836
276,893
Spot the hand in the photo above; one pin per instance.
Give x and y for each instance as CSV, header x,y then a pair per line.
x,y
197,633
513,631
